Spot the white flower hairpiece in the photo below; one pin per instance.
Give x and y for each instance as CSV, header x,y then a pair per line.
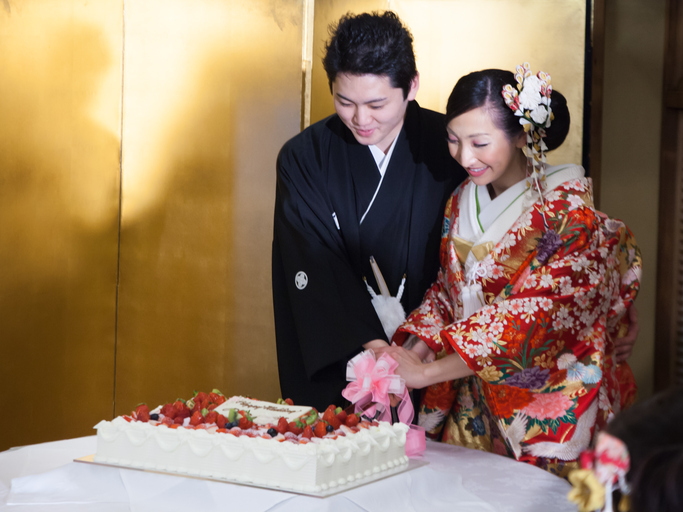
x,y
532,105
531,102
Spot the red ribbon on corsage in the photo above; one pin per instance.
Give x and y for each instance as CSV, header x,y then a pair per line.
x,y
371,382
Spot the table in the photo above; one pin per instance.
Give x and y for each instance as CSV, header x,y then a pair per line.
x,y
44,477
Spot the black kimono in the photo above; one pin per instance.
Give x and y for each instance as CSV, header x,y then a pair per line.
x,y
321,252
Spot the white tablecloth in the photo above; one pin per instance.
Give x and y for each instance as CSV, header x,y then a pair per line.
x,y
43,477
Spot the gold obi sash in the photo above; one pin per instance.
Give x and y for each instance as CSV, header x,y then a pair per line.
x,y
464,247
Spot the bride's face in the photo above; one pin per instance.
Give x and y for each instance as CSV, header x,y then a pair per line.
x,y
485,151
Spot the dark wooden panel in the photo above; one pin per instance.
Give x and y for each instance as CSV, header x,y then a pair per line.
x,y
670,251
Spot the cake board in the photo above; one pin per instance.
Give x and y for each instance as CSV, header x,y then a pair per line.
x,y
412,464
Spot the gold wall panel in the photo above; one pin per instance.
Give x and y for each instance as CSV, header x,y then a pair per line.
x,y
210,95
455,37
59,189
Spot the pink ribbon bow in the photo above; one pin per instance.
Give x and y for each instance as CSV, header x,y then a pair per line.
x,y
372,380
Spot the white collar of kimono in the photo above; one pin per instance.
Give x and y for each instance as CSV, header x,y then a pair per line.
x,y
483,219
382,161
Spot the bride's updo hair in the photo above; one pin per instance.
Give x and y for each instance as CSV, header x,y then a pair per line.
x,y
485,89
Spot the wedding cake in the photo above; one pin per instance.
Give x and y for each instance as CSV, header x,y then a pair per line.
x,y
274,445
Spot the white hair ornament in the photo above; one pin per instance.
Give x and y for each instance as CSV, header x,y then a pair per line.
x,y
531,102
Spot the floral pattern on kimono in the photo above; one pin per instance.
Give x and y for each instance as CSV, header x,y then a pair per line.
x,y
542,346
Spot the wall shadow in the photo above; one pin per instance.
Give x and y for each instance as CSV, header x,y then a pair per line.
x,y
59,190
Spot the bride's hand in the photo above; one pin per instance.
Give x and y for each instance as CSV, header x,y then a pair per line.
x,y
425,353
419,375
410,366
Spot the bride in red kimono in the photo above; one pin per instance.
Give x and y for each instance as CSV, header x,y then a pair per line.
x,y
534,286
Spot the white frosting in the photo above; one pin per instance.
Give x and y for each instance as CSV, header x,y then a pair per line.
x,y
262,412
319,465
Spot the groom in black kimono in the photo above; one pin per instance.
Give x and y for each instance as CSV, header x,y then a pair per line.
x,y
371,180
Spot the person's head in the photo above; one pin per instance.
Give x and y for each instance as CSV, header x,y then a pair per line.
x,y
484,134
653,433
370,66
371,44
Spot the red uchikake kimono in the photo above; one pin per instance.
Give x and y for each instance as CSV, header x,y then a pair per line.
x,y
542,346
